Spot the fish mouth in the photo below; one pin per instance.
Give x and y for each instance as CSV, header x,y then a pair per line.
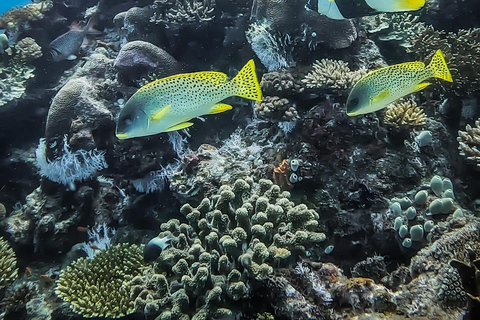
x,y
122,136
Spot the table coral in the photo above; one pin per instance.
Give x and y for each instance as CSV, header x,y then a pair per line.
x,y
469,144
232,238
8,262
99,287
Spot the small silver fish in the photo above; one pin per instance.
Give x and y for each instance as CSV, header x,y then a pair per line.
x,y
68,44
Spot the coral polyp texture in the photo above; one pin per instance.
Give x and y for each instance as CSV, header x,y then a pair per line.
x,y
405,113
469,144
100,286
8,263
232,238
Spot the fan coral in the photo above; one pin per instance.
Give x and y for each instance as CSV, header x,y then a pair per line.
x,y
404,113
100,287
8,262
332,74
469,144
31,12
232,238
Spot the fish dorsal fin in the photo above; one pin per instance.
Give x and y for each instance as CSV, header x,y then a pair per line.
x,y
212,77
380,96
219,108
159,115
74,26
179,126
422,86
413,66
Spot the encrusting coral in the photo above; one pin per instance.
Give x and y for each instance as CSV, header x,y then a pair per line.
x,y
8,263
332,74
404,113
232,238
100,286
469,144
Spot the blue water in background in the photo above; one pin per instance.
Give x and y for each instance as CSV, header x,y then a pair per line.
x,y
6,5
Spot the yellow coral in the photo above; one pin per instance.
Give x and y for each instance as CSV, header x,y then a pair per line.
x,y
100,286
404,113
8,263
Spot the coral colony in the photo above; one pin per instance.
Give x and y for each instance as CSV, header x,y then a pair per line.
x,y
250,159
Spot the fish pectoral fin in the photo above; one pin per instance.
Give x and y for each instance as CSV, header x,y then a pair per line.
x,y
71,57
380,96
179,126
160,114
219,108
422,86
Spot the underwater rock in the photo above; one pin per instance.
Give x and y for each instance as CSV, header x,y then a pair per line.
x,y
139,57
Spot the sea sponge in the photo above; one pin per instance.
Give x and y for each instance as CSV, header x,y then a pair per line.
x,y
8,263
404,113
333,75
100,286
469,144
232,238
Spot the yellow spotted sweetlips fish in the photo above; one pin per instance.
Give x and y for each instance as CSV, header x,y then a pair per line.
x,y
168,104
379,88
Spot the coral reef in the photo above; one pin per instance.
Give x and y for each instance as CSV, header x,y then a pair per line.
x,y
8,263
332,74
404,113
27,50
13,82
276,108
15,17
232,238
469,144
100,286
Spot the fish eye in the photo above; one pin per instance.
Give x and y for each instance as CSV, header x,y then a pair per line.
x,y
354,102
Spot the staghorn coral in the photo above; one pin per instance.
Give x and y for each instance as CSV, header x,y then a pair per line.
x,y
27,50
232,238
276,108
31,12
333,75
404,113
8,263
13,81
100,287
469,144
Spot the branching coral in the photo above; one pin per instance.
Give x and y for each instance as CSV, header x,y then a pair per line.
x,y
100,287
8,263
469,144
276,108
404,113
280,83
183,11
238,235
31,12
332,74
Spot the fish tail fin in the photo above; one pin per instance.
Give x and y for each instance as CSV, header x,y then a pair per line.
x,y
439,67
246,83
410,5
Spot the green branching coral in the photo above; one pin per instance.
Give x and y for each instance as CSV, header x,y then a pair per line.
x,y
232,238
8,263
100,286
